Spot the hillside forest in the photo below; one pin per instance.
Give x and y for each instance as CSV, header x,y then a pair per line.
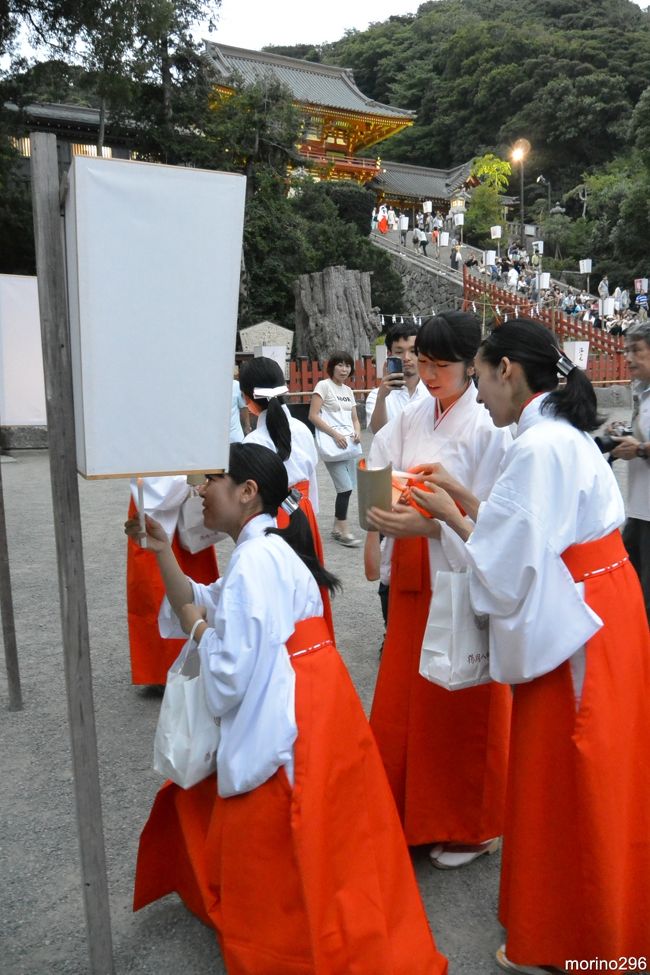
x,y
570,76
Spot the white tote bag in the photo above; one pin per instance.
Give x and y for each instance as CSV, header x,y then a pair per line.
x,y
326,445
192,533
455,647
187,736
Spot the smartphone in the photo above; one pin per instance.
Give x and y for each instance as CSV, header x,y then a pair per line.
x,y
394,364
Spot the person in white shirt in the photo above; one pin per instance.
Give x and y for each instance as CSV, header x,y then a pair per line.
x,y
636,450
396,390
293,851
333,410
240,423
568,628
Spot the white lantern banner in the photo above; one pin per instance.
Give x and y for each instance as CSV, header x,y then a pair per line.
x,y
153,265
545,281
459,219
427,206
608,307
538,245
276,352
529,229
585,266
640,286
444,238
495,232
578,352
380,358
490,257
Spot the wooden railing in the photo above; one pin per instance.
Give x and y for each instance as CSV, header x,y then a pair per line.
x,y
606,353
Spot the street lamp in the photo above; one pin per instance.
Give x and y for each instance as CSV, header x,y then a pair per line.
x,y
519,152
547,183
457,209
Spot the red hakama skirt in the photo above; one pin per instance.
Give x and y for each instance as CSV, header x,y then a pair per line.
x,y
151,654
310,880
576,851
445,752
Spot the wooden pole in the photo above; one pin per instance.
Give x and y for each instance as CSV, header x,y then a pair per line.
x,y
50,264
7,609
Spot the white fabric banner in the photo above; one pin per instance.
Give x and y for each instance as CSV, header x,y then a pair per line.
x,y
22,386
153,261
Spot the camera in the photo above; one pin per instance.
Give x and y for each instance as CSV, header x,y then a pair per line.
x,y
394,364
606,443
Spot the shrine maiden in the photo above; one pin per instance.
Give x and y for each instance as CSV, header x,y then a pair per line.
x,y
295,854
264,387
445,753
151,654
568,629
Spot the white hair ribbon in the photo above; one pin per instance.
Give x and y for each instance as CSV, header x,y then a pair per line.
x,y
270,393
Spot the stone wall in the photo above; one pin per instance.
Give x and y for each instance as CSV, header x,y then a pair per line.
x,y
425,290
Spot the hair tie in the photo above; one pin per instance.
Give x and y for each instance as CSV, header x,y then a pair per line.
x,y
292,501
565,365
270,393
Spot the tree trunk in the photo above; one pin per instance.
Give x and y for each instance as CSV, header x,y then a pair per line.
x,y
333,312
102,126
166,79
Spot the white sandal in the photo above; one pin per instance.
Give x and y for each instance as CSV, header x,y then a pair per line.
x,y
450,858
509,966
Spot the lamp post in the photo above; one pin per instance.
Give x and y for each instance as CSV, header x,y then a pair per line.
x,y
547,183
519,152
457,206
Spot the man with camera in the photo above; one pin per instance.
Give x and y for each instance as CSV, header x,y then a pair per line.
x,y
401,384
634,447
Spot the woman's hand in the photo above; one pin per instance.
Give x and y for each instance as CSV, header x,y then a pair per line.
x,y
340,440
403,522
157,540
356,437
436,474
189,614
437,501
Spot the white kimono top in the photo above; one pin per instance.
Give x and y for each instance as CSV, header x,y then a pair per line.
x,y
249,681
555,490
303,459
465,441
163,497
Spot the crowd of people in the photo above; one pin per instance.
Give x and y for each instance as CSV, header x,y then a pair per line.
x,y
296,852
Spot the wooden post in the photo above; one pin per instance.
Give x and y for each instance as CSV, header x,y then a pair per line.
x,y
50,263
7,609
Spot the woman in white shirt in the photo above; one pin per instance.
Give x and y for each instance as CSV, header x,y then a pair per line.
x,y
333,411
568,629
295,854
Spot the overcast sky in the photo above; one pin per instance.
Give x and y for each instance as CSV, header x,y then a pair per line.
x,y
257,23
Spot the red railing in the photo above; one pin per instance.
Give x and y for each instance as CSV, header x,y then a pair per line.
x,y
304,374
606,359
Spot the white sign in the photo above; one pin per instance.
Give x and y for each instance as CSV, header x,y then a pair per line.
x,y
490,257
276,352
529,229
495,232
538,245
444,238
545,281
427,206
585,266
22,385
153,264
459,219
578,352
265,333
606,307
641,286
381,353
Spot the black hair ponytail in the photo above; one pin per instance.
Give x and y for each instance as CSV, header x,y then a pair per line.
x,y
266,373
534,347
252,461
298,535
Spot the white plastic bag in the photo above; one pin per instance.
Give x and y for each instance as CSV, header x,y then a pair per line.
x,y
187,736
192,533
455,650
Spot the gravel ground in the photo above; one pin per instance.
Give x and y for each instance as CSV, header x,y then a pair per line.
x,y
42,923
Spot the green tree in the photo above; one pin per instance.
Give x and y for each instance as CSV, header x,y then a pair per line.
x,y
492,171
484,210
